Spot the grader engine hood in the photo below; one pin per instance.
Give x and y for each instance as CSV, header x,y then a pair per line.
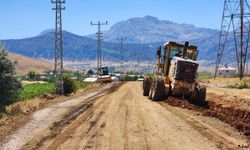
x,y
186,70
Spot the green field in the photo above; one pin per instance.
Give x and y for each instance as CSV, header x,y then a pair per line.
x,y
80,85
205,75
34,90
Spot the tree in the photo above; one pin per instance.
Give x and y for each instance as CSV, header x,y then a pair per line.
x,y
9,85
68,85
32,75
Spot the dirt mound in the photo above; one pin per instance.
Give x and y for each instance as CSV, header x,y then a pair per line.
x,y
237,118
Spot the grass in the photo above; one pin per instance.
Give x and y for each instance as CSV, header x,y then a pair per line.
x,y
34,90
80,85
240,86
205,75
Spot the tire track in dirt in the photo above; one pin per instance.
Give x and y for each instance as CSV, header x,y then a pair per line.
x,y
133,120
88,139
58,127
124,119
141,125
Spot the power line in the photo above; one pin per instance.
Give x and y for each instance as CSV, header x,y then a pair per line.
x,y
235,20
58,45
99,36
122,40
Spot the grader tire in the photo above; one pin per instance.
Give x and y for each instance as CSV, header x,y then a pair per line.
x,y
198,97
151,89
201,96
158,90
146,87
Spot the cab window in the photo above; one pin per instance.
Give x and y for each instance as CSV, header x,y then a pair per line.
x,y
175,52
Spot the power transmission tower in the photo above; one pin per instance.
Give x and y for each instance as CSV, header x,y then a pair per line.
x,y
139,55
58,46
122,40
99,36
235,20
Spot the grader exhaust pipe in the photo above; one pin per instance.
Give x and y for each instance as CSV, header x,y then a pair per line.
x,y
158,53
185,49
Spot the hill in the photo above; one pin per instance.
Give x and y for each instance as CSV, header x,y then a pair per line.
x,y
26,64
144,35
150,29
75,47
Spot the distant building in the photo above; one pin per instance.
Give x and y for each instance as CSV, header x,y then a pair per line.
x,y
227,71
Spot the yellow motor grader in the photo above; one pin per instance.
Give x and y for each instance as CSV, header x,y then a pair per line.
x,y
176,74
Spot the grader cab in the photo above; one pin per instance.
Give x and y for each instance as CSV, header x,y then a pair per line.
x,y
176,74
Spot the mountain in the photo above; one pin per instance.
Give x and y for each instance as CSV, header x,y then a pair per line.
x,y
26,64
143,34
150,29
75,47
42,46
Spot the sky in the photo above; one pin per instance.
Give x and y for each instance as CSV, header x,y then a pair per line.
x,y
27,18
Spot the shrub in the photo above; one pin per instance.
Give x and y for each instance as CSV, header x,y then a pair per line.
x,y
240,86
130,78
9,85
32,75
68,85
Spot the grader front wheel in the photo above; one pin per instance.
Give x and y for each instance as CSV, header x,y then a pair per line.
x,y
146,86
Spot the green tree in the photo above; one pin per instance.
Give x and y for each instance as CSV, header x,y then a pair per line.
x,y
9,85
32,75
68,85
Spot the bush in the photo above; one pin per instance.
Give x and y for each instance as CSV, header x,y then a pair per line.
x,y
240,86
32,76
130,78
9,85
68,85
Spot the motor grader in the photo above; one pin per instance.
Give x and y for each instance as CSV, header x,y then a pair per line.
x,y
103,75
176,74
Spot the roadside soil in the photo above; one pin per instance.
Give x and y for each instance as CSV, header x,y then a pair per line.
x,y
19,113
231,106
124,119
238,98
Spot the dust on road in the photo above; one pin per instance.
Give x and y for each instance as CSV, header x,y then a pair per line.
x,y
124,119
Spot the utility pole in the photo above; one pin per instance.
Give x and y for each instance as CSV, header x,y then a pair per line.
x,y
122,40
139,55
235,19
99,36
58,45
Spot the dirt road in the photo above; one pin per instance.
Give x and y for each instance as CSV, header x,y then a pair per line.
x,y
124,119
